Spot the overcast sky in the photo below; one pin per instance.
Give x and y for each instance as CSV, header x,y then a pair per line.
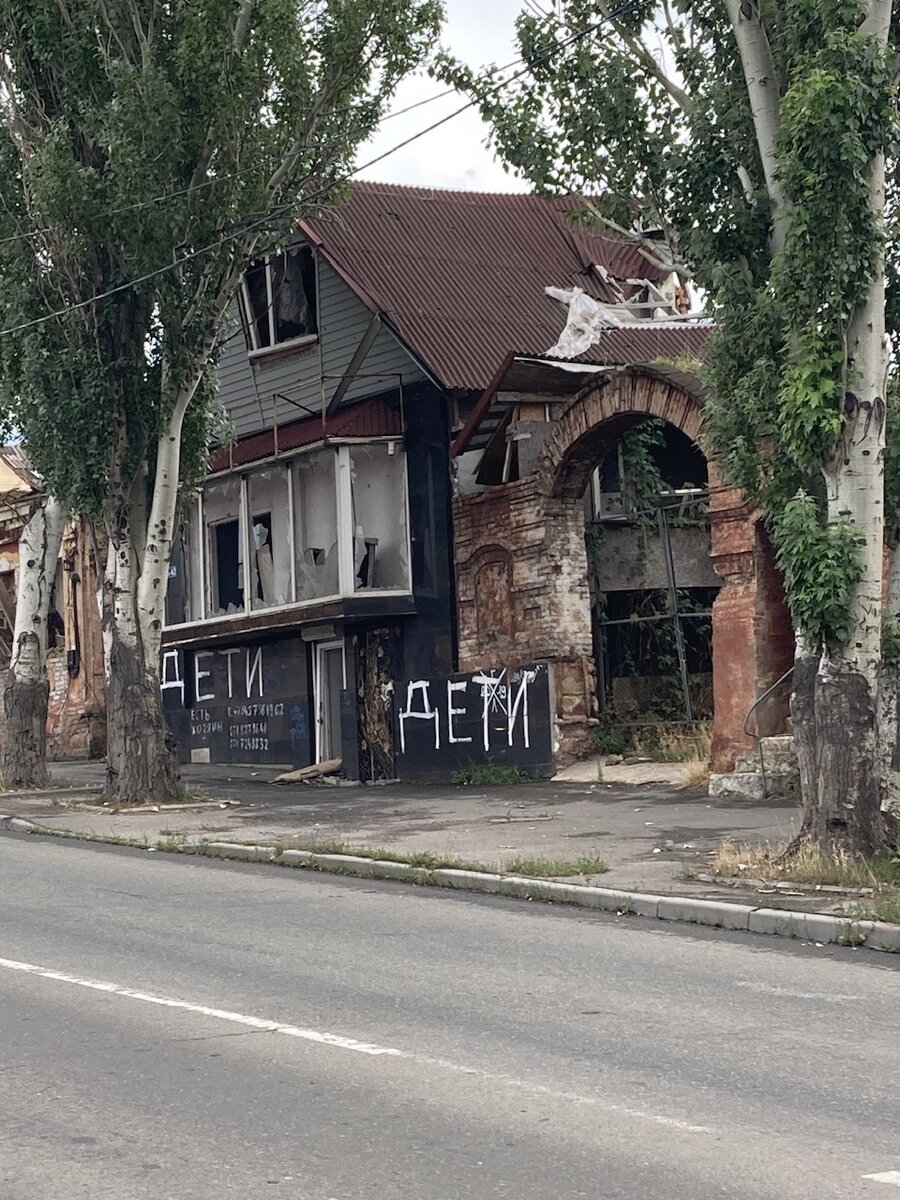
x,y
480,32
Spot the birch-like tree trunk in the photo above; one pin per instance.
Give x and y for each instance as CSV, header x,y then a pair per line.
x,y
27,692
842,786
140,763
140,748
836,695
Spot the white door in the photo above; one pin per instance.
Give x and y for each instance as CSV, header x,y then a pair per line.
x,y
329,682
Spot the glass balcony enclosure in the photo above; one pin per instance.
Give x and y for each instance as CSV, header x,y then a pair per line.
x,y
324,524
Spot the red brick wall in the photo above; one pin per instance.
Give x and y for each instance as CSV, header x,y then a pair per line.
x,y
522,594
753,641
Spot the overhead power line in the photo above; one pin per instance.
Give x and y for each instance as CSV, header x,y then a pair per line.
x,y
192,254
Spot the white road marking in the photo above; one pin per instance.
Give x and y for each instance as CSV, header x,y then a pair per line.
x,y
767,989
885,1177
345,1043
221,1014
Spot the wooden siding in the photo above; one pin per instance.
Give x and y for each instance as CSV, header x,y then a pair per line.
x,y
248,387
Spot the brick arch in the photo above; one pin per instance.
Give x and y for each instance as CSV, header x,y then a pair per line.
x,y
598,417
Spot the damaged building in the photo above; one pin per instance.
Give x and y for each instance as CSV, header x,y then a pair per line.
x,y
76,714
426,544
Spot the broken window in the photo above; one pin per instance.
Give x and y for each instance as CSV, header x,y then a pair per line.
x,y
278,299
331,522
270,549
380,538
177,591
184,595
315,525
224,547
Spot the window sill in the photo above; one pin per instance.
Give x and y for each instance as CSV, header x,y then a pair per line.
x,y
289,612
298,614
281,349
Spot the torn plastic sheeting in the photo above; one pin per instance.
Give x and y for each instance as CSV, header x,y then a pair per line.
x,y
587,319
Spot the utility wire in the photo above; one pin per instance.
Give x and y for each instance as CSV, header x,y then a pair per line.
x,y
216,179
61,312
163,197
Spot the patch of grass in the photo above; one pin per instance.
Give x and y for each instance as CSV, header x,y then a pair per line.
x,y
885,907
688,872
52,784
807,864
174,841
550,867
610,739
696,777
436,862
415,858
418,858
75,835
326,847
674,743
492,775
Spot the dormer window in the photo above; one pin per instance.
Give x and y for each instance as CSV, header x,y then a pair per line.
x,y
278,300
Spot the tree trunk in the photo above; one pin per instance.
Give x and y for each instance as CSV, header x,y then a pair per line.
x,y
838,733
889,697
140,759
140,748
834,736
27,692
803,721
834,722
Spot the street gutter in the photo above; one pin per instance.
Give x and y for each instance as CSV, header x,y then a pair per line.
x,y
820,928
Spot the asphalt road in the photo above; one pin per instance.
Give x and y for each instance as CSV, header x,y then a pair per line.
x,y
261,1033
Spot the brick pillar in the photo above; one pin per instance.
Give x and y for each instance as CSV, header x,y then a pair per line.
x,y
523,595
752,638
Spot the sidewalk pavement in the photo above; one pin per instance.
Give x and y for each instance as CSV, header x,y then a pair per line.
x,y
653,837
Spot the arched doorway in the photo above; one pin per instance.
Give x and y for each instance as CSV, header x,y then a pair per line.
x,y
534,529
629,450
652,587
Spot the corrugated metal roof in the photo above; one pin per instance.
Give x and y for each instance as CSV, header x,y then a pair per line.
x,y
460,276
649,343
372,418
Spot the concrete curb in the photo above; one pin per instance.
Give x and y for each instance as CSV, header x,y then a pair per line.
x,y
57,793
812,927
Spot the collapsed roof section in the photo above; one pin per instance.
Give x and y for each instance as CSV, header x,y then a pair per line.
x,y
660,348
461,277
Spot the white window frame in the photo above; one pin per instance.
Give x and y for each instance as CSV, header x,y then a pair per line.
x,y
212,561
353,589
347,589
304,339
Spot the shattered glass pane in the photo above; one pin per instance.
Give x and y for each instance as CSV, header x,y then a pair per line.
x,y
380,536
270,551
315,525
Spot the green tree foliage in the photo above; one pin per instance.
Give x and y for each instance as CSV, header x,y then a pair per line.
x,y
665,141
163,143
147,151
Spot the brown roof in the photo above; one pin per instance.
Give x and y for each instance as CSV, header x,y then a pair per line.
x,y
460,276
371,418
649,343
17,478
